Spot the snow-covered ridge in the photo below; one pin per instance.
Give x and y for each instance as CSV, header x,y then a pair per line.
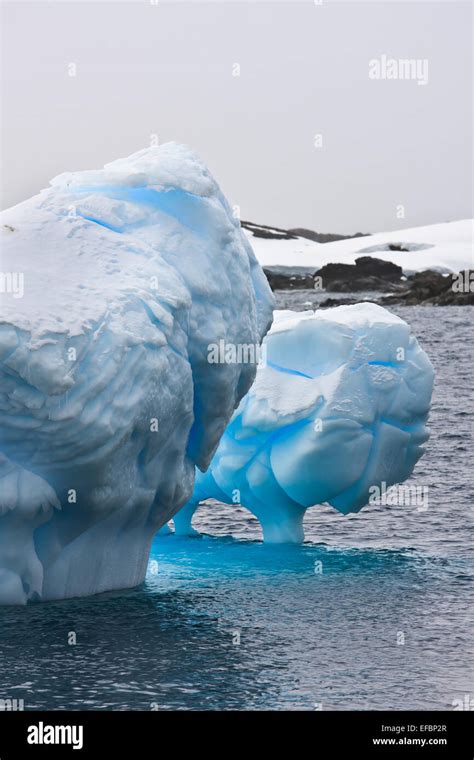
x,y
107,400
446,247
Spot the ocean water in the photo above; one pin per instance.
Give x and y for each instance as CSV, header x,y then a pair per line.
x,y
374,611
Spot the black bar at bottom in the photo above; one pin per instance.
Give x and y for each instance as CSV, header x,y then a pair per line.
x,y
142,734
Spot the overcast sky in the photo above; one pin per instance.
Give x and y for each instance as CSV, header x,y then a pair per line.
x,y
168,70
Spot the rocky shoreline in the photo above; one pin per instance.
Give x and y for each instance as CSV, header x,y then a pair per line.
x,y
382,277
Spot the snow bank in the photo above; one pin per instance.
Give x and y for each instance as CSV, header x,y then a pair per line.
x,y
445,247
114,284
338,406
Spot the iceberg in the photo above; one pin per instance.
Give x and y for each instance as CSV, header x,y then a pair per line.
x,y
114,283
339,406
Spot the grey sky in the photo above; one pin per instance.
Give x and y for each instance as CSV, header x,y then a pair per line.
x,y
167,69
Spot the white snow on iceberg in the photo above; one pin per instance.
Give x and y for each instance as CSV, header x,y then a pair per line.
x,y
339,405
107,400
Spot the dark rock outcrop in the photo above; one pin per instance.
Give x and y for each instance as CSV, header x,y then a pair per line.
x,y
268,233
277,233
321,237
430,287
367,273
289,278
330,302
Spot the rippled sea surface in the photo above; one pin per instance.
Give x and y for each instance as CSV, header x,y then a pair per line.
x,y
374,611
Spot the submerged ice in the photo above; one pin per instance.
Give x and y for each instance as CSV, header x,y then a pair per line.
x,y
107,400
338,408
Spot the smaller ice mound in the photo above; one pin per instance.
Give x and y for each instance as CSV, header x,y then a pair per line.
x,y
339,405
